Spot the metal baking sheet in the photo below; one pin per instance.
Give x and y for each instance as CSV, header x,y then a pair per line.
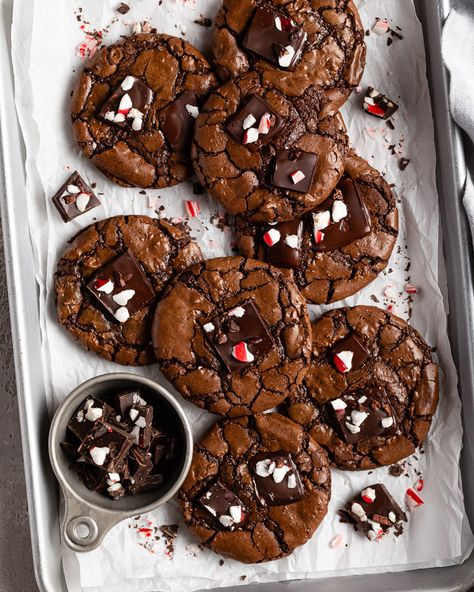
x,y
41,486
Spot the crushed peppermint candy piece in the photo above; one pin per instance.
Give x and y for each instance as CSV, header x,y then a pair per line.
x,y
387,422
82,201
265,124
339,210
368,495
238,312
236,513
125,104
248,121
73,189
390,291
99,454
192,110
279,473
338,405
380,27
318,236
264,468
93,413
193,208
241,352
343,361
291,483
208,327
292,241
337,541
297,176
127,83
251,136
358,417
420,484
105,286
321,220
133,413
410,289
121,314
272,237
285,59
123,297
358,510
392,517
414,500
362,399
352,428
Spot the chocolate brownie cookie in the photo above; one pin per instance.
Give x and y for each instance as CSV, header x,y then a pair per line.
x,y
258,488
134,107
265,155
233,335
338,248
109,279
293,45
371,390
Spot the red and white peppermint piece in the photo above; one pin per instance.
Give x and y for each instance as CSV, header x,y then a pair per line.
x,y
99,454
265,124
236,513
297,176
241,352
318,236
110,116
123,297
82,201
238,312
285,60
420,484
292,241
248,121
374,110
121,314
272,237
193,208
321,220
343,361
127,83
390,291
368,495
251,136
410,289
125,104
338,405
339,210
336,541
103,285
380,27
359,511
413,499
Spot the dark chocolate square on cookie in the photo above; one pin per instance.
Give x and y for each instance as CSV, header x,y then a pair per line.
x,y
121,287
177,120
74,198
349,354
375,512
127,106
283,243
275,37
223,505
342,218
255,117
294,170
363,414
239,336
276,478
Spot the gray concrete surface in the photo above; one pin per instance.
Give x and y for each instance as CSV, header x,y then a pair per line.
x,y
16,564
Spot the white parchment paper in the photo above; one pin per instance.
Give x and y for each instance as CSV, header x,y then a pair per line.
x,y
46,35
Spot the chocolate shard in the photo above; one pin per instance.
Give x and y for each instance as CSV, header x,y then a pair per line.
x,y
106,446
282,243
276,479
223,506
74,198
177,120
139,419
350,352
87,416
124,401
379,104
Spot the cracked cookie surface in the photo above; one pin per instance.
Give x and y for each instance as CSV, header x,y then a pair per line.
x,y
333,57
223,455
239,177
331,275
205,292
398,361
145,158
162,250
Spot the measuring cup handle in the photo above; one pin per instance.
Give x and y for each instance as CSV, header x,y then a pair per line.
x,y
84,528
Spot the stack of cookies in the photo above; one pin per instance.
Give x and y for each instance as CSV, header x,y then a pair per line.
x,y
314,222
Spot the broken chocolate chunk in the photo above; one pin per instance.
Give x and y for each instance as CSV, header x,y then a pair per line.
x,y
341,219
349,354
223,505
74,198
294,170
177,120
276,478
364,413
379,104
275,37
375,512
106,446
128,105
238,336
140,418
124,401
87,416
283,243
124,297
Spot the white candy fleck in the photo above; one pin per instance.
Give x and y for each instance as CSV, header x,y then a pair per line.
x,y
236,513
135,433
73,189
208,327
279,473
127,83
339,210
192,110
338,404
121,314
123,297
371,535
133,414
387,422
226,520
359,511
82,201
264,468
358,417
113,478
109,116
274,235
291,483
292,241
248,121
99,454
93,413
369,493
80,416
107,288
238,312
346,359
278,23
119,118
114,487
251,136
362,399
125,103
141,422
211,510
352,428
285,60
137,124
392,517
321,220
137,400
